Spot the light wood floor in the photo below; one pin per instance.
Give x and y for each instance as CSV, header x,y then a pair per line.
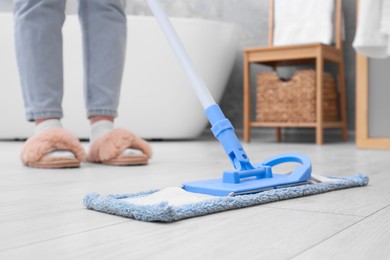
x,y
42,216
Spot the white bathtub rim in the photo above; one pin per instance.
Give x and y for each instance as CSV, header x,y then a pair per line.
x,y
79,130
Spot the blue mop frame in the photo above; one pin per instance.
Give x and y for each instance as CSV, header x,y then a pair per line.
x,y
247,178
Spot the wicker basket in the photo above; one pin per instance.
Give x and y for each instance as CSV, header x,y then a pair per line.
x,y
294,100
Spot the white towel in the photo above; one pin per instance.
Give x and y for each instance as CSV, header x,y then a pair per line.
x,y
303,21
373,31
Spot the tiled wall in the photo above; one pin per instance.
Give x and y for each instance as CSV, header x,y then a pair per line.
x,y
251,17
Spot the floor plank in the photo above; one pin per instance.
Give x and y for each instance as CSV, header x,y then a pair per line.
x,y
252,233
367,239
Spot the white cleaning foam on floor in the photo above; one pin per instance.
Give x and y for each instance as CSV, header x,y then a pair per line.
x,y
175,196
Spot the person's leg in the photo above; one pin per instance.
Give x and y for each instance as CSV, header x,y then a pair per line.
x,y
38,42
104,30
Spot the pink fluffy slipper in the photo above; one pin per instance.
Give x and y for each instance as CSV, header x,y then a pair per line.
x,y
36,150
108,149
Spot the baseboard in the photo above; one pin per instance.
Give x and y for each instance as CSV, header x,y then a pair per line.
x,y
303,135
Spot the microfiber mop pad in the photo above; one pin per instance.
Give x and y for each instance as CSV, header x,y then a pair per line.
x,y
172,204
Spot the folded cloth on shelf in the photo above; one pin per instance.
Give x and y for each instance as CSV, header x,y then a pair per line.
x,y
303,21
373,30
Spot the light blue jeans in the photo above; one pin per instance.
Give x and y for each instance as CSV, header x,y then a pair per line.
x,y
38,38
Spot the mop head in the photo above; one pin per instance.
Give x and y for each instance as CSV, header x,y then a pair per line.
x,y
174,203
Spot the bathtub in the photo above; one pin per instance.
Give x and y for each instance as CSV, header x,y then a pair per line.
x,y
157,101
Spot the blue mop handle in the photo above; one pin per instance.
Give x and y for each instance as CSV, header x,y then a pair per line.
x,y
223,130
200,88
221,126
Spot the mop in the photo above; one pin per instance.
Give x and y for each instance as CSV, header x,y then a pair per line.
x,y
247,185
